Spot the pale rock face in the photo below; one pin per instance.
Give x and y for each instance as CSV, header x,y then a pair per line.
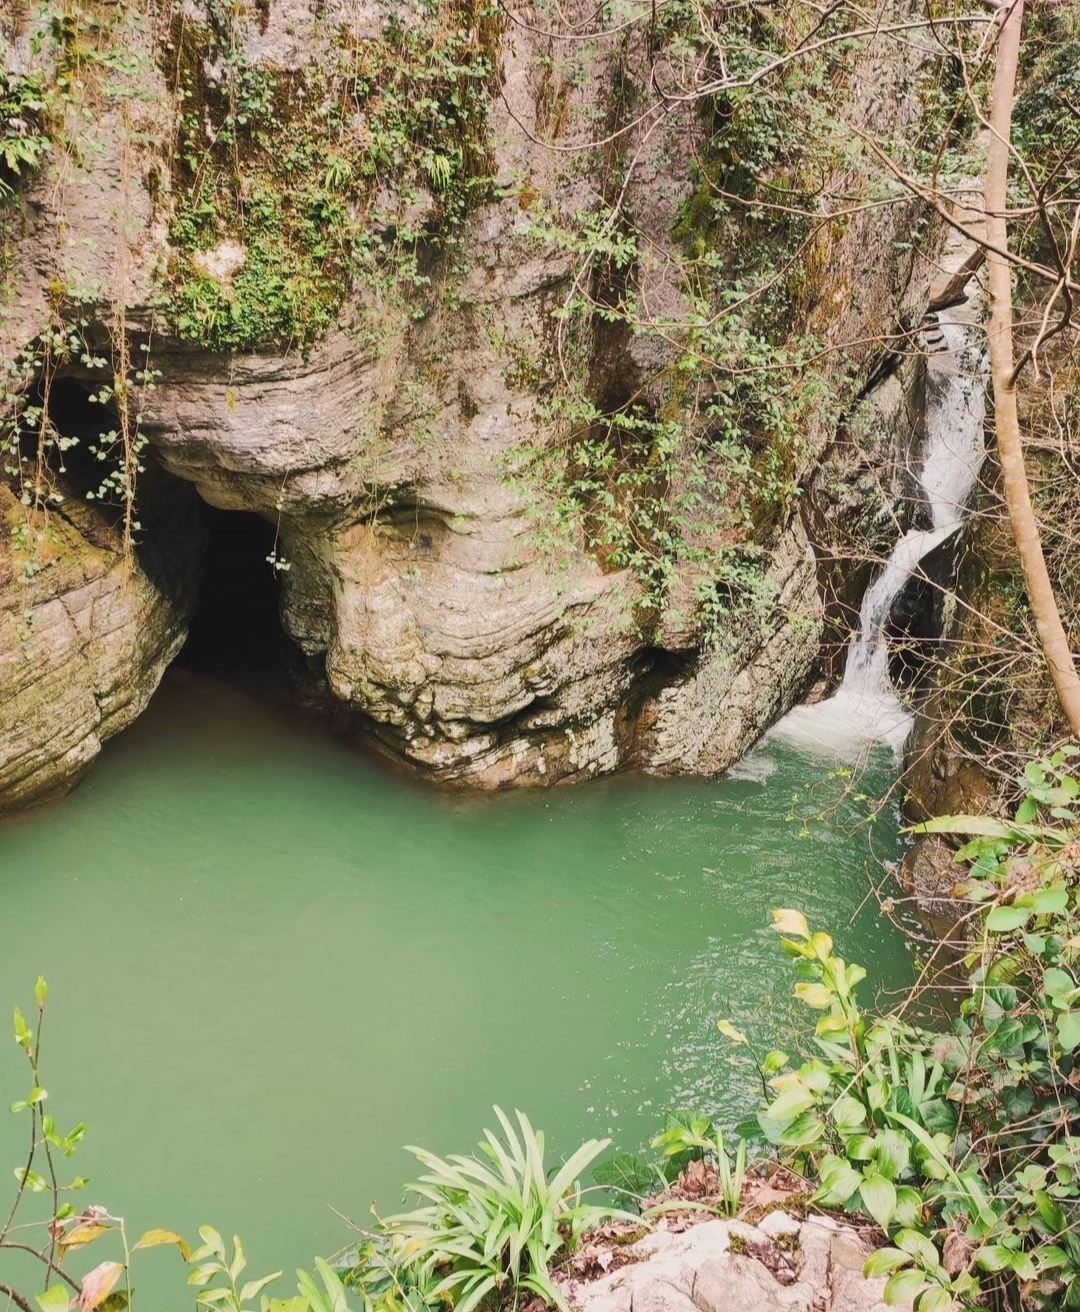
x,y
700,1271
85,636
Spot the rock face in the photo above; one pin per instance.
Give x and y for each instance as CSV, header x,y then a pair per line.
x,y
85,635
781,1265
416,460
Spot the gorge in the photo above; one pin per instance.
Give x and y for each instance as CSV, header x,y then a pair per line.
x,y
500,515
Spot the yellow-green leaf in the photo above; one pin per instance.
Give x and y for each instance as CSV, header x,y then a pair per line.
x,y
818,996
155,1238
82,1235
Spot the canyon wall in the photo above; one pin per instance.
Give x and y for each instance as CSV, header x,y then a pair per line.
x,y
440,293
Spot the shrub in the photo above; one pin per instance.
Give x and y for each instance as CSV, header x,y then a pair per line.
x,y
490,1228
493,1225
962,1145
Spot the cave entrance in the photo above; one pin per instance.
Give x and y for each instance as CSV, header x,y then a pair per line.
x,y
236,632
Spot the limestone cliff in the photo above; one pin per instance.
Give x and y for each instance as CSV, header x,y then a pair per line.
x,y
85,633
435,290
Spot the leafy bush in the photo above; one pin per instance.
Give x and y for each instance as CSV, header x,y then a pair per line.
x,y
963,1146
492,1225
288,166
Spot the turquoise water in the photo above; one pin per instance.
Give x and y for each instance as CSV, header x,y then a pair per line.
x,y
272,964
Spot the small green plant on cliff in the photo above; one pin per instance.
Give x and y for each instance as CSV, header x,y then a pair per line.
x,y
284,170
687,475
36,452
24,137
687,1138
963,1146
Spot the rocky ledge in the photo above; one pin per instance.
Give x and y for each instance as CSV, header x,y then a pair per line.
x,y
781,1264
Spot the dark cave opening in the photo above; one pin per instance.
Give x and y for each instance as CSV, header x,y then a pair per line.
x,y
236,631
78,429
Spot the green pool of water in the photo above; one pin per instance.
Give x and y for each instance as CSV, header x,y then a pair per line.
x,y
272,964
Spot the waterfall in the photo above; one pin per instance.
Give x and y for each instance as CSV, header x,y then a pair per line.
x,y
865,708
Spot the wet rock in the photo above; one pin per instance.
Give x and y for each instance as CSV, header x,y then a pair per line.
x,y
930,873
939,776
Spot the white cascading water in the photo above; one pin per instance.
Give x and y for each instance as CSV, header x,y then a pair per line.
x,y
865,708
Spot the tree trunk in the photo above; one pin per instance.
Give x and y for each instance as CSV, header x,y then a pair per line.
x,y
1052,637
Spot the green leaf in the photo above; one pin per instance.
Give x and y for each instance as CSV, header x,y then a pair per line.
x,y
1002,919
23,1037
41,991
993,1257
909,1206
837,1186
53,1300
1022,1266
884,1260
903,1285
791,1103
1056,982
239,1261
774,1062
253,1288
1068,1030
1050,901
627,1173
1027,811
213,1240
892,1153
918,1246
860,1148
935,1300
848,1113
1052,1213
879,1198
805,1130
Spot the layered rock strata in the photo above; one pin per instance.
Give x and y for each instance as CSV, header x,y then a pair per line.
x,y
430,573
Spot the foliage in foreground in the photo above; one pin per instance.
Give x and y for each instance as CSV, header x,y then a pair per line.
x,y
962,1145
487,1228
